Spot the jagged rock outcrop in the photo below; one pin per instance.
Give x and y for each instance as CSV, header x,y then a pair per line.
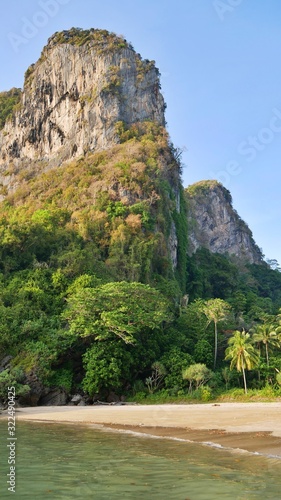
x,y
214,224
84,95
82,85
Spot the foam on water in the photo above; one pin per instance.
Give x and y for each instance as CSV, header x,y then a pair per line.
x,y
210,444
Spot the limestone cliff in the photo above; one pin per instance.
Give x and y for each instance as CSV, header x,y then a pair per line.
x,y
93,107
214,224
82,85
84,95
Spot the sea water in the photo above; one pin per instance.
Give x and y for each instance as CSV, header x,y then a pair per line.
x,y
62,462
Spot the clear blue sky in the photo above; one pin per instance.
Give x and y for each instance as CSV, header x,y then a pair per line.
x,y
221,79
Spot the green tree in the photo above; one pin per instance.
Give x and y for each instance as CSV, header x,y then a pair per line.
x,y
106,365
216,310
14,378
175,361
197,375
241,353
268,336
203,352
121,308
8,102
156,378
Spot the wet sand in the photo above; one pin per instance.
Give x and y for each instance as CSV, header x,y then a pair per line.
x,y
254,442
254,427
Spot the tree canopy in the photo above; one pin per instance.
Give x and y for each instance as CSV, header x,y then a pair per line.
x,y
122,308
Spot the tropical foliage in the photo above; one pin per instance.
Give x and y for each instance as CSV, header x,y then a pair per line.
x,y
90,301
242,353
8,103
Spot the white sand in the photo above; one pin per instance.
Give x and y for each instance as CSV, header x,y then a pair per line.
x,y
231,417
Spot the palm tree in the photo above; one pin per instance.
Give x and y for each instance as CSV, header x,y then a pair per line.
x,y
268,335
216,310
242,353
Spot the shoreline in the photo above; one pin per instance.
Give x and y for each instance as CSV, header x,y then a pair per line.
x,y
257,443
252,427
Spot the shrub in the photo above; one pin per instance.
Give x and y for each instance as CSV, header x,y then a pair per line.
x,y
206,393
13,378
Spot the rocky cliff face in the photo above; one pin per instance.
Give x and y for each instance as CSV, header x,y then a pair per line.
x,y
81,97
215,225
88,93
82,85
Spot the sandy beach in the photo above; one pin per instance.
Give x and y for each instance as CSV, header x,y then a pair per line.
x,y
255,427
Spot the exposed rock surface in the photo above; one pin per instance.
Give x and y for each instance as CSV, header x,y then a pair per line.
x,y
76,399
5,363
56,397
82,85
215,225
37,390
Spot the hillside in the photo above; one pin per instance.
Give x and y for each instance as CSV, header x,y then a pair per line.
x,y
91,110
102,254
110,210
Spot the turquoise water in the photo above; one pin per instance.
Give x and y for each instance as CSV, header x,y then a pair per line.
x,y
73,462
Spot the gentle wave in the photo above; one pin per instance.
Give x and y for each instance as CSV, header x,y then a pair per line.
x,y
210,444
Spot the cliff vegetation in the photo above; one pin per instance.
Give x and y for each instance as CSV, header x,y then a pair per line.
x,y
115,283
9,102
